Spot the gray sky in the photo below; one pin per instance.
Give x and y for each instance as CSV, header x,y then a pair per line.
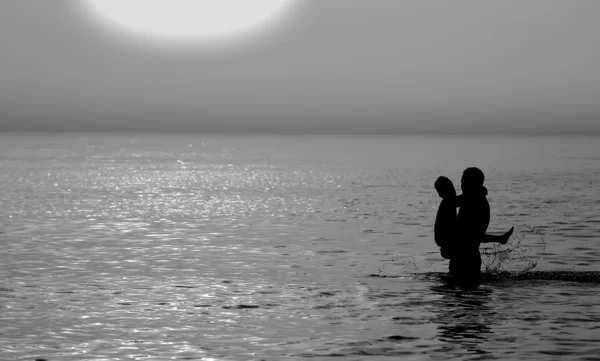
x,y
335,66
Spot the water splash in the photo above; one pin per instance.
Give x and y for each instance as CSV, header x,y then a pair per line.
x,y
520,255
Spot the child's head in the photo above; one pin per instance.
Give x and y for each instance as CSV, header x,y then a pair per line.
x,y
444,187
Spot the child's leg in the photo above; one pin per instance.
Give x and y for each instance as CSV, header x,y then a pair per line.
x,y
502,239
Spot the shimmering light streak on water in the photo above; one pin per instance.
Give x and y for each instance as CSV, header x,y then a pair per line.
x,y
250,248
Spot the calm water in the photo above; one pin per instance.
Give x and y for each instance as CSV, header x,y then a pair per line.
x,y
205,247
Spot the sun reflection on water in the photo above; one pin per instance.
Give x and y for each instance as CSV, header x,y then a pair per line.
x,y
122,251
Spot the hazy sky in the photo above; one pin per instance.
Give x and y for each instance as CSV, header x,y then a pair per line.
x,y
334,66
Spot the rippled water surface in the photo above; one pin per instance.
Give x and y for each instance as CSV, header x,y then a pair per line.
x,y
205,247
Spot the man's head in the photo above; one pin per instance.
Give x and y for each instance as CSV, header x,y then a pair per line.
x,y
472,181
444,187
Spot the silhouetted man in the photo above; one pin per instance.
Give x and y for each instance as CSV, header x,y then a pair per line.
x,y
472,223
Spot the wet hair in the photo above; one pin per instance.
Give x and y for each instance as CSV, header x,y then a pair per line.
x,y
474,177
445,187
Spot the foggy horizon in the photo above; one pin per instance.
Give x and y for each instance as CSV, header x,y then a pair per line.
x,y
335,67
562,126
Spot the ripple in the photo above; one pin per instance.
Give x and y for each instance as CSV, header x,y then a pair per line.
x,y
563,276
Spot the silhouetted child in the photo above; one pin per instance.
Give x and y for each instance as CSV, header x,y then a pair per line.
x,y
445,221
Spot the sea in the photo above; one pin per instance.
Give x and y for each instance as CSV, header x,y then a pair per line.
x,y
291,247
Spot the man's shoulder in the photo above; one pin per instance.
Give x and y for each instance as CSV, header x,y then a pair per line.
x,y
474,206
477,202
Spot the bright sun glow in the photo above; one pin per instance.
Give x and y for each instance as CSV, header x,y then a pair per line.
x,y
178,20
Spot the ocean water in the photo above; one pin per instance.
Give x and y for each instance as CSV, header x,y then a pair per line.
x,y
209,247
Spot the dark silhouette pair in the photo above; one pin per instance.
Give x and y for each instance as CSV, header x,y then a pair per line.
x,y
459,236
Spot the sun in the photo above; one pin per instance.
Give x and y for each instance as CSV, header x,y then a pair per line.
x,y
188,20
